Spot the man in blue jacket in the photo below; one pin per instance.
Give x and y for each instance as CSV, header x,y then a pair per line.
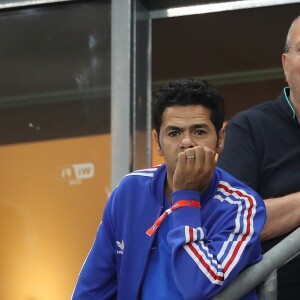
x,y
182,230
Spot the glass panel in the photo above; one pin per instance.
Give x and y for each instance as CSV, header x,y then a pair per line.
x,y
239,52
55,144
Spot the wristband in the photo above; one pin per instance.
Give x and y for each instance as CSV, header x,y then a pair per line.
x,y
178,204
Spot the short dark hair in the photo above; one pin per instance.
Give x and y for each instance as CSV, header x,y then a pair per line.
x,y
188,92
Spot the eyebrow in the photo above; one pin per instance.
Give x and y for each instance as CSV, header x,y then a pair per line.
x,y
194,126
294,45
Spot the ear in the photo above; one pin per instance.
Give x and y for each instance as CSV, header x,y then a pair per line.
x,y
158,147
284,60
221,140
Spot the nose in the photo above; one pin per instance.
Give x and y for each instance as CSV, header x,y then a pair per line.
x,y
187,142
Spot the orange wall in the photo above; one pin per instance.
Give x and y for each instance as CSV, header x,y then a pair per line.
x,y
48,218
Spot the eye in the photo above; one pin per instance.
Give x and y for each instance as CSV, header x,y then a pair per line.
x,y
173,133
200,132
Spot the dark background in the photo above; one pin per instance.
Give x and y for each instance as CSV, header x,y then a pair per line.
x,y
55,62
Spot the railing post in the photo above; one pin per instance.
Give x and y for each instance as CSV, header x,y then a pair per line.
x,y
267,290
252,276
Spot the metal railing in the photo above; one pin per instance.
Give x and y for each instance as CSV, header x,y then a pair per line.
x,y
263,274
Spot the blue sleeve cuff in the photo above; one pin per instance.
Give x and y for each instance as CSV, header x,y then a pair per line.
x,y
185,195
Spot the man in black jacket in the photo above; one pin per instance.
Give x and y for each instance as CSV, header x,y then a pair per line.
x,y
262,149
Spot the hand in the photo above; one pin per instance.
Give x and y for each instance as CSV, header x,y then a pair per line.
x,y
195,169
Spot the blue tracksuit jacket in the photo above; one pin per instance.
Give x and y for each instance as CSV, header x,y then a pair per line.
x,y
209,246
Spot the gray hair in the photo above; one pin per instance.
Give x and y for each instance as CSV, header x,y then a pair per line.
x,y
288,37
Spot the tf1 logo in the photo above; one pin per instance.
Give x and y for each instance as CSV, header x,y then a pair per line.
x,y
75,173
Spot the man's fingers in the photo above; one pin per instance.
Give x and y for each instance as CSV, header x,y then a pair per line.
x,y
209,158
190,156
199,151
181,160
194,168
